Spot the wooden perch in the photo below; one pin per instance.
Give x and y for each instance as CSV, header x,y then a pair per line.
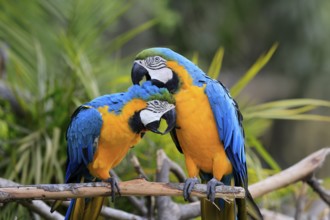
x,y
138,187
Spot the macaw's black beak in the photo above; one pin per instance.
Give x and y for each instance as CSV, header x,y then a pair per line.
x,y
170,118
138,72
153,126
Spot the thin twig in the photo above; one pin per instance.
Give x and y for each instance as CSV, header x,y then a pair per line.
x,y
316,186
138,167
148,205
300,201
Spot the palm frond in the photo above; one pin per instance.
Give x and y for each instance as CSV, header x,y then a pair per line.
x,y
253,71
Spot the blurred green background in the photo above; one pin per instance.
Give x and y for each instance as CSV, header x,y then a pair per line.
x,y
56,55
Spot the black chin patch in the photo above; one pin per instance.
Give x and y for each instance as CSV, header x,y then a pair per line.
x,y
173,84
135,123
157,83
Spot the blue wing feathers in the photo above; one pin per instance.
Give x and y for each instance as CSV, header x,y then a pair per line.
x,y
228,120
83,130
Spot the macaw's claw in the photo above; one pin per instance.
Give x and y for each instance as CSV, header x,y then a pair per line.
x,y
188,186
210,190
114,186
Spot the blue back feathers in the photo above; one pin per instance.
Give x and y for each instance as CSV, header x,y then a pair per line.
x,y
117,101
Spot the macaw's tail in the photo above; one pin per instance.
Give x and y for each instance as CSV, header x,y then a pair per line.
x,y
84,208
241,209
251,207
219,210
226,211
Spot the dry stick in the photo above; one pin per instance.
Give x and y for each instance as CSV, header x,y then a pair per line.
x,y
116,214
148,205
38,207
293,174
137,187
138,168
316,186
300,202
112,213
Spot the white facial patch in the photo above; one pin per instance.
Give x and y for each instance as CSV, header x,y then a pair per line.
x,y
157,68
154,111
164,75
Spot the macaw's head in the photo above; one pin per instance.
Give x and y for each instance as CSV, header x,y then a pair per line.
x,y
164,68
159,105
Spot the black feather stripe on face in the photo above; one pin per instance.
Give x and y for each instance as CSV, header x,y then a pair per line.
x,y
135,123
173,84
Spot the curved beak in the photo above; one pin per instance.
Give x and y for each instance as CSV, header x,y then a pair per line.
x,y
138,72
153,126
169,117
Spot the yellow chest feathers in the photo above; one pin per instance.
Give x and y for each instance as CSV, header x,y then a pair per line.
x,y
115,139
197,131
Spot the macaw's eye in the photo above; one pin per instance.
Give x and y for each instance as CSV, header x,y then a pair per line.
x,y
157,59
156,102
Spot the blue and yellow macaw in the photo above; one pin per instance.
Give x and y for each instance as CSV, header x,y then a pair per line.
x,y
103,130
209,128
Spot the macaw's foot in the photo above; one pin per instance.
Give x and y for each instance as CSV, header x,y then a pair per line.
x,y
210,190
188,186
114,186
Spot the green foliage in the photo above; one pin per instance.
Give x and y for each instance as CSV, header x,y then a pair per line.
x,y
60,54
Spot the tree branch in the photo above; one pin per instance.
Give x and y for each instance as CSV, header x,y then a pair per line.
x,y
38,207
295,173
112,213
267,214
138,187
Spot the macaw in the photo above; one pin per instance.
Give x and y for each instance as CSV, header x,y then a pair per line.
x,y
209,128
103,130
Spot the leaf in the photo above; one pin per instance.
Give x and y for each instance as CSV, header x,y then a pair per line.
x,y
288,109
194,58
288,103
215,67
122,39
253,71
264,154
